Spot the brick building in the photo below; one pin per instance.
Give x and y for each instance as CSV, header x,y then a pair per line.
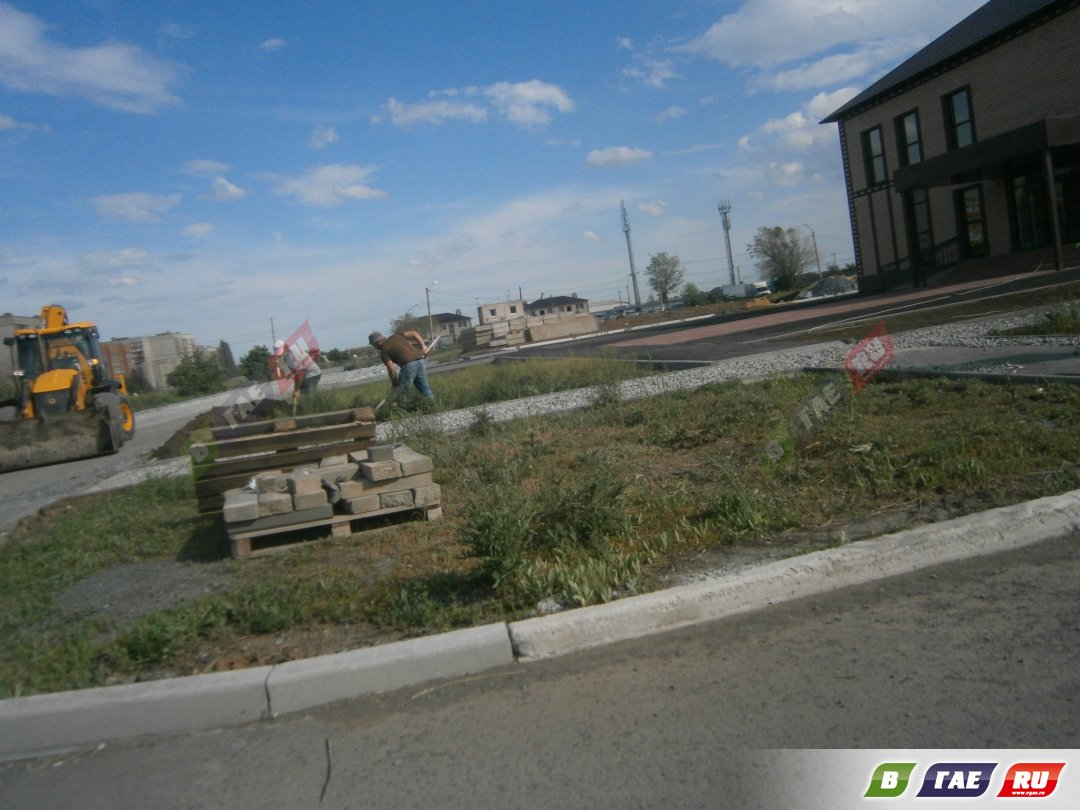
x,y
967,155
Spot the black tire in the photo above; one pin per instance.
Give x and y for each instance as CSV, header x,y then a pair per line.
x,y
110,434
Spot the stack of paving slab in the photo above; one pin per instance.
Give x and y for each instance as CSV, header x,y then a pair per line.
x,y
335,494
495,334
228,455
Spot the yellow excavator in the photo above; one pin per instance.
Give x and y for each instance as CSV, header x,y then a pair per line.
x,y
67,404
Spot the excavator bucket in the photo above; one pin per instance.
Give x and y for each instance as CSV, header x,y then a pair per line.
x,y
36,442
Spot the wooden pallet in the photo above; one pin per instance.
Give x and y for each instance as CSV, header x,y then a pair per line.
x,y
262,538
232,455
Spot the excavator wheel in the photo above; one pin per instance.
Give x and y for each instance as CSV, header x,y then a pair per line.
x,y
127,417
110,419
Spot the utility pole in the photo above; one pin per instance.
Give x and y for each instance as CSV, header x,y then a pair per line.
x,y
630,250
724,207
427,294
817,256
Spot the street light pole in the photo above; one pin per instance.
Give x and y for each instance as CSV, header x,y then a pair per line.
x,y
817,256
427,295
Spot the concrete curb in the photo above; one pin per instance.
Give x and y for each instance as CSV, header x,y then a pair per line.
x,y
970,536
42,723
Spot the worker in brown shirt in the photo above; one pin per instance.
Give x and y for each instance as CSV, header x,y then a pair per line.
x,y
404,360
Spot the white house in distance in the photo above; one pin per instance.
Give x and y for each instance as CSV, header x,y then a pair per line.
x,y
448,325
558,307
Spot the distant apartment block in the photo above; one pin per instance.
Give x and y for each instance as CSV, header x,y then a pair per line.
x,y
157,355
8,325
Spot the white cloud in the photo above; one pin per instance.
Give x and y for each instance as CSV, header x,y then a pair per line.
x,y
528,103
863,61
590,236
624,44
787,174
124,258
271,45
115,75
124,281
136,206
224,191
322,137
654,72
330,186
769,34
654,209
433,112
617,156
199,230
670,114
824,104
204,168
525,104
693,150
6,123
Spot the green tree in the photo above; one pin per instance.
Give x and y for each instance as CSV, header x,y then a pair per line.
x,y
781,255
197,374
225,357
665,274
694,297
255,365
403,323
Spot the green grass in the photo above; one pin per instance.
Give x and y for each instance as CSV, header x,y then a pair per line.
x,y
578,508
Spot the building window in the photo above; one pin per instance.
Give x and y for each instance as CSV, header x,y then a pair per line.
x,y
960,119
920,232
908,139
874,154
491,312
513,309
969,214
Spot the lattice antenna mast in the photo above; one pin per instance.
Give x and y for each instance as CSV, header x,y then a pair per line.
x,y
724,207
630,250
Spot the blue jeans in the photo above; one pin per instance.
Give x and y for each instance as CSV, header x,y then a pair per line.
x,y
415,373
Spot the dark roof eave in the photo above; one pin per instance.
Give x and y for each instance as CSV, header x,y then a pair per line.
x,y
954,46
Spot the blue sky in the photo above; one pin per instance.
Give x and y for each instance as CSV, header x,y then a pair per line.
x,y
205,167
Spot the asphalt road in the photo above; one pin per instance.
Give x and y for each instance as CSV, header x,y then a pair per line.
x,y
973,655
